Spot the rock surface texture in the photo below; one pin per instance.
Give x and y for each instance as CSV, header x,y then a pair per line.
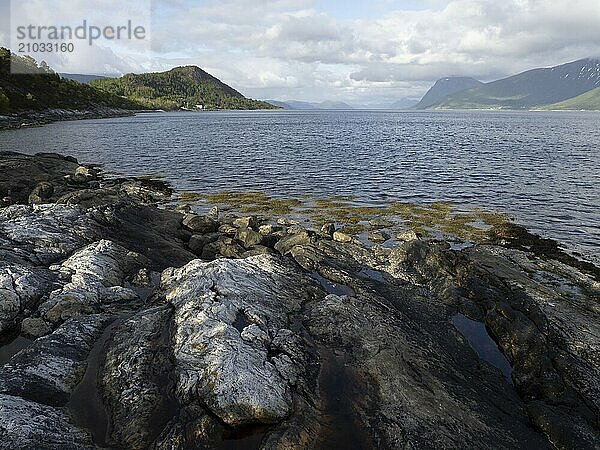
x,y
126,325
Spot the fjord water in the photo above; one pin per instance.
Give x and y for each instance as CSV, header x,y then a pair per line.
x,y
543,168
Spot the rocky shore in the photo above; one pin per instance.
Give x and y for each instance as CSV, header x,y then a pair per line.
x,y
126,324
40,118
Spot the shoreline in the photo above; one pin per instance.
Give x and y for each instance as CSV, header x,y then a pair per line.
x,y
255,328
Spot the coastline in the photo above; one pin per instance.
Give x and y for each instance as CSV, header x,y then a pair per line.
x,y
255,328
43,117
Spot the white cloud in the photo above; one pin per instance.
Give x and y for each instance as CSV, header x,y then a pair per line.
x,y
282,48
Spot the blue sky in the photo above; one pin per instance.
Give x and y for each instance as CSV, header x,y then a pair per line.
x,y
362,52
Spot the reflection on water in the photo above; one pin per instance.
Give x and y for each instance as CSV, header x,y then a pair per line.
x,y
542,167
478,338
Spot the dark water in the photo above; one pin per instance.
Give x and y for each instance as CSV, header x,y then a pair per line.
x,y
541,167
478,338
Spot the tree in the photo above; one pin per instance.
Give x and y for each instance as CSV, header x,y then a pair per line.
x,y
4,103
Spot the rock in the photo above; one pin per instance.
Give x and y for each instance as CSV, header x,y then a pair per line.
x,y
52,366
285,244
227,229
133,377
246,222
257,250
338,236
214,213
224,321
284,222
198,241
248,237
199,224
35,327
96,273
328,228
266,229
84,174
378,236
41,193
28,425
224,247
21,288
142,278
22,173
406,236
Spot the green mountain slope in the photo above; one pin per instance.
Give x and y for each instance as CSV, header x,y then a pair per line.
x,y
47,90
589,101
529,89
180,87
445,87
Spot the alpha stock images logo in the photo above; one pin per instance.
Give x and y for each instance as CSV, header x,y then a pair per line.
x,y
87,37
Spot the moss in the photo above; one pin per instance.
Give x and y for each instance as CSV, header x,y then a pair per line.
x,y
428,220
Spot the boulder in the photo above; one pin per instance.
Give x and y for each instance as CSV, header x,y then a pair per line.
x,y
248,237
344,238
246,222
199,224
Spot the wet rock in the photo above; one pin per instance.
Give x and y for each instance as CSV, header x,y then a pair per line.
x,y
378,236
227,368
248,237
200,224
49,369
21,174
223,247
28,425
135,377
246,222
257,250
338,236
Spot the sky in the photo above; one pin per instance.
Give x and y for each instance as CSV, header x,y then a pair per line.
x,y
361,52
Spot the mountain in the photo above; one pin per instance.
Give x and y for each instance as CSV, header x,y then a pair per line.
x,y
588,101
306,106
41,89
403,103
445,87
81,78
530,89
181,87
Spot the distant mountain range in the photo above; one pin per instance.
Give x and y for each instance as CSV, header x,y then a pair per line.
x,y
305,106
568,86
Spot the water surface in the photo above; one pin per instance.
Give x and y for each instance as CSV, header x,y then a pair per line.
x,y
543,168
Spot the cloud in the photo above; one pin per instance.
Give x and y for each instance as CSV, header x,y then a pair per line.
x,y
279,48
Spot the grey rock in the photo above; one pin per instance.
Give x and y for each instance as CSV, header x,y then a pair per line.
x,y
49,369
285,244
134,378
248,237
198,241
41,193
378,236
28,425
246,222
200,224
224,367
